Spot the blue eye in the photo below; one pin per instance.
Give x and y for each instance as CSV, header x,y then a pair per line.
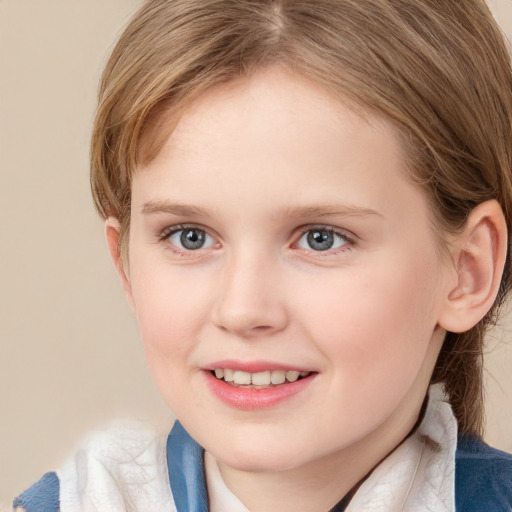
x,y
321,239
190,239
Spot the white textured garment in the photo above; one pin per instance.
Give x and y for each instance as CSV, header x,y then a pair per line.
x,y
125,469
419,476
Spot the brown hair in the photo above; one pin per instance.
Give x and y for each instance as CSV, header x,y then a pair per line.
x,y
438,70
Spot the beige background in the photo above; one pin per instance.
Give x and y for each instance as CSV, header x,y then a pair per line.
x,y
70,358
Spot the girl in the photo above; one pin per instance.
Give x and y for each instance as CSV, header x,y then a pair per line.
x,y
308,204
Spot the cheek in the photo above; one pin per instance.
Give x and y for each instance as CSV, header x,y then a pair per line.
x,y
170,310
377,320
170,314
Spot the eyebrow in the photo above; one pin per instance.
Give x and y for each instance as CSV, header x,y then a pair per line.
x,y
324,210
183,210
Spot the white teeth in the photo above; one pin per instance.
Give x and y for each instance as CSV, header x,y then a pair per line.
x,y
263,379
278,377
292,376
242,378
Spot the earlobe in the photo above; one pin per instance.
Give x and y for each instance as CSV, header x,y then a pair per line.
x,y
112,234
479,256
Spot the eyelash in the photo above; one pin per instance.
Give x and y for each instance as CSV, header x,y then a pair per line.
x,y
348,241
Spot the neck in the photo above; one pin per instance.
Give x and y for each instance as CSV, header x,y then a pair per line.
x,y
318,487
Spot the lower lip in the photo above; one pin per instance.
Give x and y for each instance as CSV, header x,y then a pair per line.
x,y
250,399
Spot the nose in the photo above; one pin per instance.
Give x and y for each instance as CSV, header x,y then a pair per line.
x,y
251,298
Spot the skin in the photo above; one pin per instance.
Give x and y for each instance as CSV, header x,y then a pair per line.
x,y
255,164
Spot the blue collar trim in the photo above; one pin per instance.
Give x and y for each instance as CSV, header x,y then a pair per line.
x,y
186,471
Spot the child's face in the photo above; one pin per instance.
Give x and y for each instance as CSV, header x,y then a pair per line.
x,y
277,231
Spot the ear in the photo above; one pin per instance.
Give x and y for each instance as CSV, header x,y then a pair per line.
x,y
479,256
112,234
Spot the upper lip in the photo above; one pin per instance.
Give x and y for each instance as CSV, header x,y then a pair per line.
x,y
254,366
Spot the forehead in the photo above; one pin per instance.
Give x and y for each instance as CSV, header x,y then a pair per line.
x,y
277,136
268,101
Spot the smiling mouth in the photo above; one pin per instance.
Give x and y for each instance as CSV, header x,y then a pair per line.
x,y
259,380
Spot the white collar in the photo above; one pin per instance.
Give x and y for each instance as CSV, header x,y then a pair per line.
x,y
220,498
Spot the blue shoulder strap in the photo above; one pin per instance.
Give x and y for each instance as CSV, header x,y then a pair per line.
x,y
186,471
43,496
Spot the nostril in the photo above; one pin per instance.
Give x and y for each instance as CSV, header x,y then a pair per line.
x,y
247,322
261,328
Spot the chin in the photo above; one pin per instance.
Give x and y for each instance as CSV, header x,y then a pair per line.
x,y
260,462
259,457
